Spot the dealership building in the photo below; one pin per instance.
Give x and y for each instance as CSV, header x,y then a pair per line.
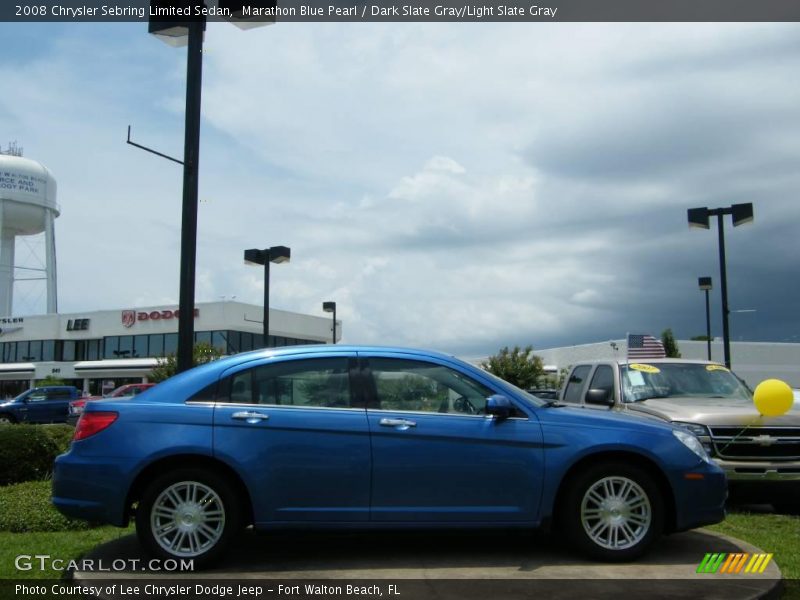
x,y
97,351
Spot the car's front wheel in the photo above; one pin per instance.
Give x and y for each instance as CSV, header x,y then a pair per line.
x,y
188,514
613,511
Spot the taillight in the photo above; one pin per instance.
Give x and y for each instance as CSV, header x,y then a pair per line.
x,y
91,423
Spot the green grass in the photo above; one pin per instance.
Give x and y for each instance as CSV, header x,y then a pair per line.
x,y
779,534
63,545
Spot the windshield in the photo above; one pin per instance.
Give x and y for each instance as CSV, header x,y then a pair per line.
x,y
642,381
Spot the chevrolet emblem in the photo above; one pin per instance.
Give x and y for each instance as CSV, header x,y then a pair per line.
x,y
764,440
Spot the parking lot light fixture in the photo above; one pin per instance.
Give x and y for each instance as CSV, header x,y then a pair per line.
x,y
330,307
274,254
699,217
704,283
188,31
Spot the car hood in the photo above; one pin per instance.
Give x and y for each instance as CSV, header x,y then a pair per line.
x,y
582,417
713,411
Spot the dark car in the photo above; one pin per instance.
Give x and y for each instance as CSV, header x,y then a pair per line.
x,y
49,404
361,438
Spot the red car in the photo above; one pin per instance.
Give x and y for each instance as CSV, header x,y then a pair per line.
x,y
129,389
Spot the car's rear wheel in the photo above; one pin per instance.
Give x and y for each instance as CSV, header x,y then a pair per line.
x,y
613,511
188,514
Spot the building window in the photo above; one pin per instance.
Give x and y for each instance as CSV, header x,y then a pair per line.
x,y
202,337
48,350
111,344
22,352
170,343
125,347
93,350
234,342
219,340
68,352
156,344
246,342
35,350
140,346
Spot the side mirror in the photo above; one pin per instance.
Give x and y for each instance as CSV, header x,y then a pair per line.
x,y
499,406
598,396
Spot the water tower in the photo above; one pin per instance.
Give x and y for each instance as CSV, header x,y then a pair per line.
x,y
27,207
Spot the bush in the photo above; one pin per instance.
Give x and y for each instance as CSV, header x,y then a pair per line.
x,y
26,507
27,452
61,434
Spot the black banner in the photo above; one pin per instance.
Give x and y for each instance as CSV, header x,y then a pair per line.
x,y
255,11
712,587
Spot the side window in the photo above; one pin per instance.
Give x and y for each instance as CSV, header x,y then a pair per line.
x,y
575,385
37,396
59,394
423,387
323,382
603,379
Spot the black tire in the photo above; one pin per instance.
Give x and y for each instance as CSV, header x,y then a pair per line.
x,y
195,513
6,419
612,511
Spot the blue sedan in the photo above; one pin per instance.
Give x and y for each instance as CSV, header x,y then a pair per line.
x,y
364,438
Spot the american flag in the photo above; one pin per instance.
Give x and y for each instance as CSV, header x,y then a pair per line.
x,y
644,346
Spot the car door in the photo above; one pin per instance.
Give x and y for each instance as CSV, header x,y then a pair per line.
x,y
296,431
436,457
36,407
58,400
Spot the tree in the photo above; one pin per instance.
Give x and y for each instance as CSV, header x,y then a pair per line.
x,y
202,353
519,367
700,338
50,380
670,345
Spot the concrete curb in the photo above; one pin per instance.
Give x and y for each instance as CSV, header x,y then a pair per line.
x,y
515,560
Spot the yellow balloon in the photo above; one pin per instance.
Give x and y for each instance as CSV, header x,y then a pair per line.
x,y
773,397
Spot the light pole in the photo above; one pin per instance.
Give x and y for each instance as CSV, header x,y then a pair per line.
x,y
705,284
180,31
274,254
330,307
699,217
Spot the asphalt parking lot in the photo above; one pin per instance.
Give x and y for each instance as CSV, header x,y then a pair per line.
x,y
508,565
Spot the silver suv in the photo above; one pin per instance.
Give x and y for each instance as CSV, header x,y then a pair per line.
x,y
760,455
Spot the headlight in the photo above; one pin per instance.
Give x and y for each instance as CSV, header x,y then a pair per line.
x,y
695,428
702,433
692,443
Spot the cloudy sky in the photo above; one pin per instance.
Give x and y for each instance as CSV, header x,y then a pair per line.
x,y
462,186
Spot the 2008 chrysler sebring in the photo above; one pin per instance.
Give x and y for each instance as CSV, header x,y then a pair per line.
x,y
360,438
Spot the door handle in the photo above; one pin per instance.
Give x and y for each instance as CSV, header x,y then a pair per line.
x,y
249,416
399,423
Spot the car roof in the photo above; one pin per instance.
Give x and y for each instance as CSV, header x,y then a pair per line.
x,y
661,361
335,348
648,361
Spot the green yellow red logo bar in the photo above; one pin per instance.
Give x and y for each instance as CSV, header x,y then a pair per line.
x,y
733,563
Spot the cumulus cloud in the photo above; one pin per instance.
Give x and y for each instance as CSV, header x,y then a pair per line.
x,y
450,186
